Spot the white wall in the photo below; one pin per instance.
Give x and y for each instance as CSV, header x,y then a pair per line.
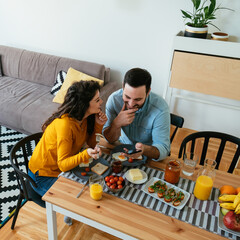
x,y
119,33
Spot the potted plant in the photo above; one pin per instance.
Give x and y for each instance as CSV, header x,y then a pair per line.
x,y
203,14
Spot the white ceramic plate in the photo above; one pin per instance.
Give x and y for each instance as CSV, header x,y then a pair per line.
x,y
169,185
223,227
145,177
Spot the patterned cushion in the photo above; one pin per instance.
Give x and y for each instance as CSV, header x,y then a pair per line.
x,y
58,83
73,76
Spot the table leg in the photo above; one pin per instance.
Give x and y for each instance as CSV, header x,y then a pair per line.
x,y
51,222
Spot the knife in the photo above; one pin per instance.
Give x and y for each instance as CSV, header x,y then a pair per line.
x,y
82,189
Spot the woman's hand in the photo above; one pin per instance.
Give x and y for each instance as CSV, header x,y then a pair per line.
x,y
101,118
94,153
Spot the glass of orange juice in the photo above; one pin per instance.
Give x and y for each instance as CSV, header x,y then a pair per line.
x,y
205,180
96,184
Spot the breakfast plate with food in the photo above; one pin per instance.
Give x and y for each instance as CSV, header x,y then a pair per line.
x,y
166,192
99,166
227,221
136,176
127,161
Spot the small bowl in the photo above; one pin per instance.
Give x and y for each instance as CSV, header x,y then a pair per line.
x,y
219,36
115,190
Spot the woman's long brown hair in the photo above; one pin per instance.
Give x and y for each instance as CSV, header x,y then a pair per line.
x,y
76,103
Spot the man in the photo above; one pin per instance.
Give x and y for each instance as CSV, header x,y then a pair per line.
x,y
138,116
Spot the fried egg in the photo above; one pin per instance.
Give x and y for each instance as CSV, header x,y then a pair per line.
x,y
86,164
118,156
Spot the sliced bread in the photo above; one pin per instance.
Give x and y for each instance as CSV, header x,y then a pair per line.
x,y
99,168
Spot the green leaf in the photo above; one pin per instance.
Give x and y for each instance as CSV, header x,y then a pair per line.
x,y
206,12
214,26
197,4
212,6
225,8
194,3
186,14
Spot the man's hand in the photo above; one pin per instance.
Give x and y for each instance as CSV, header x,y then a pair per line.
x,y
94,152
101,118
139,147
125,117
148,151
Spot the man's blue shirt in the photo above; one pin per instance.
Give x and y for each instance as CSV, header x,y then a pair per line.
x,y
151,125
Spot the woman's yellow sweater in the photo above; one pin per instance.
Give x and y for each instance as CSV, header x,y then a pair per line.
x,y
58,149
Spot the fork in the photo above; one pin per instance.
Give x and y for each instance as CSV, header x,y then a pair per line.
x,y
98,138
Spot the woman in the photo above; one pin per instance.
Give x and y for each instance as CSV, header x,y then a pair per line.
x,y
64,134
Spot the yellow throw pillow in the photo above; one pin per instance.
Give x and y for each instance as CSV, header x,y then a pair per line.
x,y
73,76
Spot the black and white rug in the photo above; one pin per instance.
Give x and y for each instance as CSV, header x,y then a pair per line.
x,y
8,184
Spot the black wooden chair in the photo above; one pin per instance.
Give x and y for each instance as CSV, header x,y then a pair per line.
x,y
19,155
176,121
206,136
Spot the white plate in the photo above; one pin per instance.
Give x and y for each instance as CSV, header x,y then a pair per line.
x,y
169,185
145,177
223,227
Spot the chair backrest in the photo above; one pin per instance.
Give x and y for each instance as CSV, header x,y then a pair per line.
x,y
206,136
19,157
176,121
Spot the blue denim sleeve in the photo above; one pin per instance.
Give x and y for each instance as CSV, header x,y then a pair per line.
x,y
161,134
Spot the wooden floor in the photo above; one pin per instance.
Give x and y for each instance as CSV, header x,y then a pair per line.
x,y
32,224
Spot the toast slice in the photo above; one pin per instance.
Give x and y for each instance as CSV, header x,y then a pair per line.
x,y
99,168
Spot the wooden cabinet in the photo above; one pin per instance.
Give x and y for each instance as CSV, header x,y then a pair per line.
x,y
207,67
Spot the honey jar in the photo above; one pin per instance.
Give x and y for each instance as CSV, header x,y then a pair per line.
x,y
172,171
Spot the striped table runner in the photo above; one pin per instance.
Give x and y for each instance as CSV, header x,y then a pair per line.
x,y
203,214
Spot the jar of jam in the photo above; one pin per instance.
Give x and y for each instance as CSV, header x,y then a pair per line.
x,y
116,166
172,171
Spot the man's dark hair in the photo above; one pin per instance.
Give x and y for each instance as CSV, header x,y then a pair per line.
x,y
137,77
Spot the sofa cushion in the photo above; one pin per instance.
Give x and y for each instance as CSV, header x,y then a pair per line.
x,y
10,60
36,113
73,76
38,67
15,96
58,83
93,69
0,67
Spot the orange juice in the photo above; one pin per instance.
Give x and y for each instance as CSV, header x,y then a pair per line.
x,y
203,187
96,191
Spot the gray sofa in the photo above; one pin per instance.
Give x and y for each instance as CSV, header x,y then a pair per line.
x,y
25,98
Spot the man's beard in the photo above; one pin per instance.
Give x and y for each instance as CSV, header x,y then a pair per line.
x,y
135,106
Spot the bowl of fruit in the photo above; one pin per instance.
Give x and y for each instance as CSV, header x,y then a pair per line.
x,y
114,183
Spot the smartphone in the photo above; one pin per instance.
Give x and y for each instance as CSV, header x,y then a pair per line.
x,y
133,151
